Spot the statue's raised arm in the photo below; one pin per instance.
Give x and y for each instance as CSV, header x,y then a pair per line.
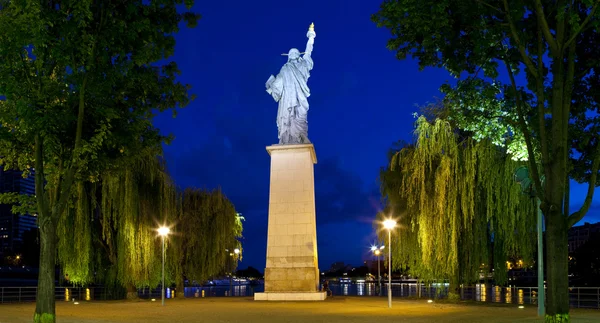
x,y
311,40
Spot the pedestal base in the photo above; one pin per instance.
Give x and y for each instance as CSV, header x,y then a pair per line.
x,y
290,296
292,272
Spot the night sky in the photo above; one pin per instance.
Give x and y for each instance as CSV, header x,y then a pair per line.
x,y
362,100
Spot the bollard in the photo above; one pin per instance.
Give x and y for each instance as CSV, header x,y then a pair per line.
x,y
203,293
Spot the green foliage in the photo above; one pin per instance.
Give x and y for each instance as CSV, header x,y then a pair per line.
x,y
120,246
21,203
457,205
207,226
557,318
109,234
476,106
44,318
454,297
84,77
554,43
480,40
82,81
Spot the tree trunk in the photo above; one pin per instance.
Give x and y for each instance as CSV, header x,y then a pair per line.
x,y
132,293
180,288
453,289
45,302
557,253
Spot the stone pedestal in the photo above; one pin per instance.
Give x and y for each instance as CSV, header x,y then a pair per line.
x,y
292,272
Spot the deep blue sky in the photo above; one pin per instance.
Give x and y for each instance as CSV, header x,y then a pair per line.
x,y
362,99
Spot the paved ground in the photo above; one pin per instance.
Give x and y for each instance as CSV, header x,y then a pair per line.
x,y
338,309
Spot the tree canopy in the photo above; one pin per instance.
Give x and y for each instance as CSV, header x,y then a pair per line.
x,y
82,81
458,208
553,108
208,229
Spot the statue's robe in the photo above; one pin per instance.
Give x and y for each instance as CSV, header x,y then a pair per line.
x,y
290,89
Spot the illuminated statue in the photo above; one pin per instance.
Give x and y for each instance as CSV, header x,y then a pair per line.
x,y
291,90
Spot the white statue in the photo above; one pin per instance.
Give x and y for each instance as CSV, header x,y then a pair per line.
x,y
290,89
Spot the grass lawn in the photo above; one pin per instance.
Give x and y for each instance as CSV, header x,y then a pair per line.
x,y
236,309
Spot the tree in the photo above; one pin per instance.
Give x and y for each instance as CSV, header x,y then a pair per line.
x,y
120,247
81,83
554,43
456,206
207,226
109,234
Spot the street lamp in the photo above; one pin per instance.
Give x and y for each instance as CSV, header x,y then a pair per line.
x,y
233,254
163,232
389,224
377,251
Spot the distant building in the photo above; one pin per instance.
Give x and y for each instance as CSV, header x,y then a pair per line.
x,y
12,226
337,266
580,234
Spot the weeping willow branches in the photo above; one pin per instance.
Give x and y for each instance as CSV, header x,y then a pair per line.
x,y
109,234
459,209
109,229
208,229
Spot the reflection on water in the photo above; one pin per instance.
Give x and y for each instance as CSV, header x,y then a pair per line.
x,y
520,296
211,291
479,292
505,294
360,289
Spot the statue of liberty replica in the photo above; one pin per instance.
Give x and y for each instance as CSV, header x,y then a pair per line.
x,y
292,266
290,89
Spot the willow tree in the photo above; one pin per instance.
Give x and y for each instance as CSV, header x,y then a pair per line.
x,y
457,205
208,229
109,235
555,44
66,64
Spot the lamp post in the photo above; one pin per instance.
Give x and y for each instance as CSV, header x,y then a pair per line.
x,y
377,251
163,232
233,254
389,225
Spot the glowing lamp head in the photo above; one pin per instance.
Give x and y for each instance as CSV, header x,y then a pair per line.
x,y
236,251
163,231
377,252
373,248
389,224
